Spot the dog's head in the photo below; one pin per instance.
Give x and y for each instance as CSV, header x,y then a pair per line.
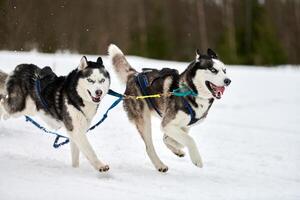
x,y
207,75
93,81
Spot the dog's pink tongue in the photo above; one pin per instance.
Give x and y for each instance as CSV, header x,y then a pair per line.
x,y
220,89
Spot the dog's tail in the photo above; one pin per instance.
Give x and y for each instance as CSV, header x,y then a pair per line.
x,y
3,77
120,64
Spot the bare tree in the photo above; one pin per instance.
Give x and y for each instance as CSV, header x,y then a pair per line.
x,y
230,27
200,13
142,25
248,24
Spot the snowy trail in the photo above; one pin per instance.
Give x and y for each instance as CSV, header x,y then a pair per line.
x,y
250,145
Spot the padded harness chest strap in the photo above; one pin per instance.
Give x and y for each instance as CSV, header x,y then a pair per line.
x,y
38,93
191,111
143,82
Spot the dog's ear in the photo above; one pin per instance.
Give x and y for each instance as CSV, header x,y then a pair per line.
x,y
83,63
198,54
211,53
99,61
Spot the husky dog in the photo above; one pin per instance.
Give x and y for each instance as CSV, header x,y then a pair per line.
x,y
205,76
67,101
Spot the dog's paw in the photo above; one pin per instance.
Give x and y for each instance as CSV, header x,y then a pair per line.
x,y
5,116
2,98
163,169
179,153
196,159
104,168
198,162
75,165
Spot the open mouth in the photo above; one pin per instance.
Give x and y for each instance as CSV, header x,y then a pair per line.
x,y
217,91
96,99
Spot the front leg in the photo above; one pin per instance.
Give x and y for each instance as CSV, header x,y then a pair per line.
x,y
81,141
77,126
174,146
179,135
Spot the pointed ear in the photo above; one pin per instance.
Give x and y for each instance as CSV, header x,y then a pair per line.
x,y
197,54
211,54
99,60
83,63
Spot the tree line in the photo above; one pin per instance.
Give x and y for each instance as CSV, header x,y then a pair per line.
x,y
260,32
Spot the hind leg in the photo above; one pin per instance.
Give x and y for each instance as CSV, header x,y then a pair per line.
x,y
28,109
144,127
14,100
74,154
14,105
174,146
3,112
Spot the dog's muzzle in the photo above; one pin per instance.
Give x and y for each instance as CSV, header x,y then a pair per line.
x,y
216,91
97,98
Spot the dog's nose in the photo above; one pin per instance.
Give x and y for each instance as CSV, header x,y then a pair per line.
x,y
98,92
227,81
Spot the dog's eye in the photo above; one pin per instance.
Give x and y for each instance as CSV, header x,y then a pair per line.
x,y
213,70
224,70
90,80
102,80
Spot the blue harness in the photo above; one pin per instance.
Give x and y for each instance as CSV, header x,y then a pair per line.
x,y
142,80
56,143
38,91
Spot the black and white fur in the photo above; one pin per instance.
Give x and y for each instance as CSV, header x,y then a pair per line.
x,y
71,101
206,76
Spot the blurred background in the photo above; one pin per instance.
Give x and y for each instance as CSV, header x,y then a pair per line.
x,y
252,32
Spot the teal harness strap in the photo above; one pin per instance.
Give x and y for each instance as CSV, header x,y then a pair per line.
x,y
183,92
66,140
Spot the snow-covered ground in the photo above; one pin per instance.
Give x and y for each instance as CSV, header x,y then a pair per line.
x,y
250,145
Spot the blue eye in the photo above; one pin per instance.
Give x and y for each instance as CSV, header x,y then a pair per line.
x,y
213,70
102,80
90,80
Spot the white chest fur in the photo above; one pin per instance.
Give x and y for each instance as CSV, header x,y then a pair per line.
x,y
200,113
82,120
203,106
89,110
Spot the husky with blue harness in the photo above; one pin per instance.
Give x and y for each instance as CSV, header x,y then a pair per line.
x,y
69,101
202,82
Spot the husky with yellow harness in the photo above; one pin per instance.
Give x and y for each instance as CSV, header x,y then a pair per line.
x,y
203,81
